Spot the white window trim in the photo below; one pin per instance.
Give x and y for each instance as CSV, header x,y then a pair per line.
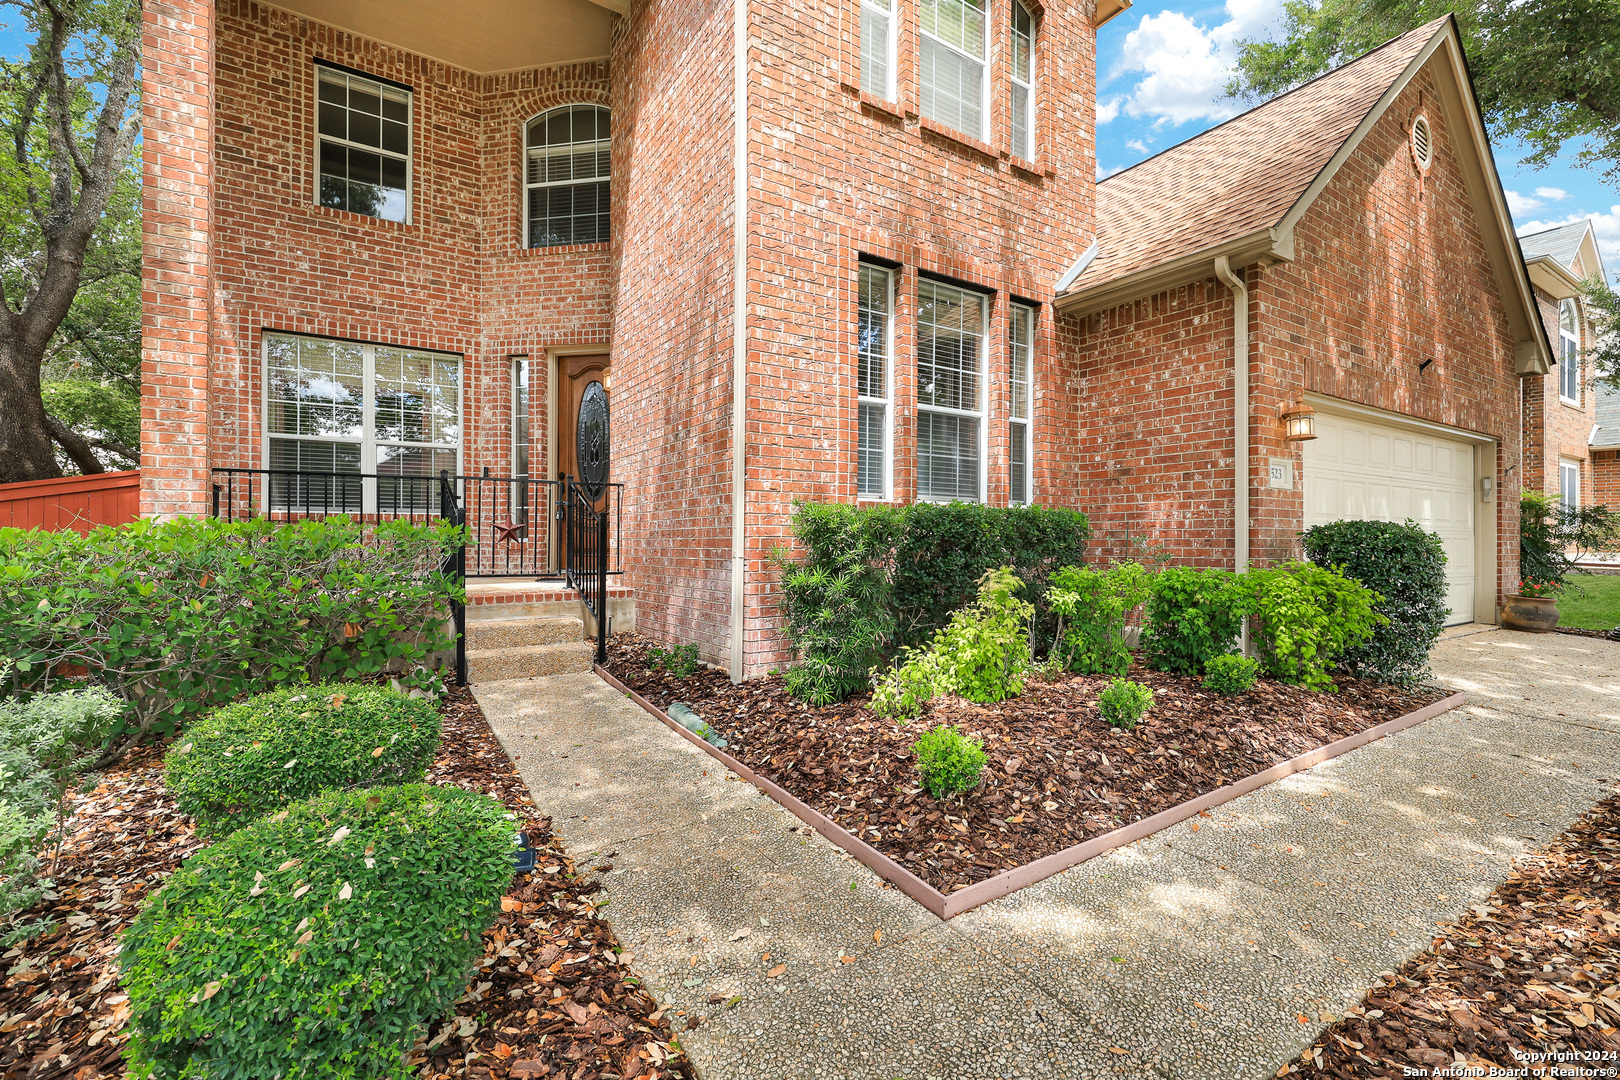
x,y
1027,151
1567,465
887,401
1028,420
1565,335
983,134
524,187
892,17
315,143
368,419
980,415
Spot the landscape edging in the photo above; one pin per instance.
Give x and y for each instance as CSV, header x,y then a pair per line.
x,y
950,905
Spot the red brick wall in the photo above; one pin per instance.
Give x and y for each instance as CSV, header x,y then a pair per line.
x,y
1606,478
1387,272
177,183
1553,428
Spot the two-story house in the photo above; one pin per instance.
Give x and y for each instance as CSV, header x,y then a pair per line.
x,y
850,251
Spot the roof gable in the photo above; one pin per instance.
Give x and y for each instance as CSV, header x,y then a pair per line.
x,y
1572,245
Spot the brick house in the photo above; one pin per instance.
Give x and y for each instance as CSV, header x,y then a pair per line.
x,y
834,251
1561,407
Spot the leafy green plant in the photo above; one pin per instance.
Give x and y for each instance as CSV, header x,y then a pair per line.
x,y
1091,605
677,660
1123,702
1192,616
1231,674
1305,617
982,654
244,760
318,941
1549,532
176,617
1406,566
948,761
45,743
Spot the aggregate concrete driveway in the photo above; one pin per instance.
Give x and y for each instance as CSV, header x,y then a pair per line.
x,y
1216,948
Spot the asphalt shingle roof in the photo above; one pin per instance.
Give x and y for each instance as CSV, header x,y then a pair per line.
x,y
1608,417
1244,175
1562,243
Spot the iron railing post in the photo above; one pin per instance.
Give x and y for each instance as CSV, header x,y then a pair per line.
x,y
456,565
602,587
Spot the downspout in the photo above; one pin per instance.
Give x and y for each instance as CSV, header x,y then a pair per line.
x,y
739,327
1240,414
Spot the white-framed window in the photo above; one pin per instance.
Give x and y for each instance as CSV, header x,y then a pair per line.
x,y
363,149
878,48
1569,483
568,159
952,326
1020,362
955,74
1569,352
1023,82
347,407
520,436
874,382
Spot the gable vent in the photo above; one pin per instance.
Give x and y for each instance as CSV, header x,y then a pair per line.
x,y
1422,142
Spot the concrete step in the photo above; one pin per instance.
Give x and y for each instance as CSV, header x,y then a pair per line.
x,y
502,600
514,633
529,661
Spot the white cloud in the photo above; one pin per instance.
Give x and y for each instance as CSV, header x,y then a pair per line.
x,y
1522,204
1136,144
1606,227
1551,194
1107,110
1103,174
1186,64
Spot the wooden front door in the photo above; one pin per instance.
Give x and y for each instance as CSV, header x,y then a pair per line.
x,y
575,373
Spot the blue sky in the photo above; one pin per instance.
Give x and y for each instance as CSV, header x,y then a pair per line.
x,y
1161,68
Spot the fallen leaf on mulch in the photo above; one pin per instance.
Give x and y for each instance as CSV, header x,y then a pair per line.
x,y
1534,969
1057,774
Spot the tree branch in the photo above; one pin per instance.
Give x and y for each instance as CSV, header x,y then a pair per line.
x,y
75,447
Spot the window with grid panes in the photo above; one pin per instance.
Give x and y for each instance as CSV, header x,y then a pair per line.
x,y
1020,354
875,333
951,330
569,155
365,145
1023,82
953,64
1569,353
877,48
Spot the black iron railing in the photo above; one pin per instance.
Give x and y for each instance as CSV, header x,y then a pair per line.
x,y
588,557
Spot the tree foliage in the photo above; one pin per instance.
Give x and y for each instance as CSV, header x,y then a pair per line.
x,y
70,234
1546,71
1603,312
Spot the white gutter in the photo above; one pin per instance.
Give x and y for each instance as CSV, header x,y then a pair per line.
x,y
1240,412
739,327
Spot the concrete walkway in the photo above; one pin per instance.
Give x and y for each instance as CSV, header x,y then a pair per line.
x,y
1217,948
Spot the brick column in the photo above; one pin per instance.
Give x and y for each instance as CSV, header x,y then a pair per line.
x,y
177,88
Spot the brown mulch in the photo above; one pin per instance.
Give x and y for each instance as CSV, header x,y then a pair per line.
x,y
1535,969
551,997
1576,631
1057,773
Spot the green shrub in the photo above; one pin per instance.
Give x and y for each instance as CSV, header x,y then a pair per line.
x,y
45,742
1406,566
1123,702
948,761
242,761
1552,536
317,942
981,655
1192,616
1231,674
838,599
177,617
1305,617
677,660
1091,606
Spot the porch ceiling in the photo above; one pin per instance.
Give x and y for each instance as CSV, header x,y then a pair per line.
x,y
483,36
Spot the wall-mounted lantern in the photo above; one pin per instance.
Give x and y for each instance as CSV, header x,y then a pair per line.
x,y
1299,422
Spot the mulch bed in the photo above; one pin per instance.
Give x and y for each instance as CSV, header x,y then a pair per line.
x,y
551,996
1535,969
1057,774
1576,631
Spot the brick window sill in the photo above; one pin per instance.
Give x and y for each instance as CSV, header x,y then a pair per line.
x,y
890,109
559,249
351,218
962,139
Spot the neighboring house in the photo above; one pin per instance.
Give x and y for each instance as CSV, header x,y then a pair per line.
x,y
1561,407
1605,447
846,251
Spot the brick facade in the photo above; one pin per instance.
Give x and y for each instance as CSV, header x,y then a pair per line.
x,y
1555,429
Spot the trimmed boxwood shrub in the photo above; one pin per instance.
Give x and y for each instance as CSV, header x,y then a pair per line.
x,y
1231,674
1406,566
1192,617
244,760
317,942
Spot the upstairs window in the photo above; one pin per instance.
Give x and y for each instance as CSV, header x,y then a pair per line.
x,y
1021,349
951,331
954,72
569,157
1569,353
877,48
1023,82
365,145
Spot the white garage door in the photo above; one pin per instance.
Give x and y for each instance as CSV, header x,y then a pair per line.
x,y
1367,470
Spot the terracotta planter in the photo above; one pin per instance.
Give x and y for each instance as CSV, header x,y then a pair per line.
x,y
1533,614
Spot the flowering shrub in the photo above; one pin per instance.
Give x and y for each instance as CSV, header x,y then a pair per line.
x,y
1539,590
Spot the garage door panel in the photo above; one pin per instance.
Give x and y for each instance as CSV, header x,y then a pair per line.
x,y
1362,469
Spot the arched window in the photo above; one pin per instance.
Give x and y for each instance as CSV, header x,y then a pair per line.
x,y
567,157
1569,353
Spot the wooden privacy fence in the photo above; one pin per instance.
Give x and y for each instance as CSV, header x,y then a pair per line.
x,y
72,502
